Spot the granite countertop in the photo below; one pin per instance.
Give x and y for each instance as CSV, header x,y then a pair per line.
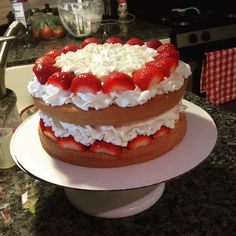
x,y
144,30
200,202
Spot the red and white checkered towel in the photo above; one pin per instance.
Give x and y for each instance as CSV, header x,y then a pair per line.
x,y
218,77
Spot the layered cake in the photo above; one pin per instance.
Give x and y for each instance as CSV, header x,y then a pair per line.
x,y
111,103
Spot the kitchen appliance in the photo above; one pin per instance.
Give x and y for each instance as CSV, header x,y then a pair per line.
x,y
81,18
195,32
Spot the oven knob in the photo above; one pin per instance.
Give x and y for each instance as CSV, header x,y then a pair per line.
x,y
192,38
205,36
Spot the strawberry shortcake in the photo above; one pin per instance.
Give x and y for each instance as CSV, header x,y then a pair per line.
x,y
111,103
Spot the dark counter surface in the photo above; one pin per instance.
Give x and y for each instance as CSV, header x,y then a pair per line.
x,y
200,202
19,55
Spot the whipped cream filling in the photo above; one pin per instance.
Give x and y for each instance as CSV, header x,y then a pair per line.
x,y
87,134
53,96
105,58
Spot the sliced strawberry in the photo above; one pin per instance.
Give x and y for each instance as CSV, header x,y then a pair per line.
x,y
70,48
62,80
118,82
45,60
153,43
107,148
70,143
135,41
49,133
165,46
53,53
41,124
86,83
88,41
146,77
43,71
171,52
162,131
166,64
139,141
114,40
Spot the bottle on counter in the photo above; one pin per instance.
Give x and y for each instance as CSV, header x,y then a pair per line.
x,y
47,9
21,12
122,9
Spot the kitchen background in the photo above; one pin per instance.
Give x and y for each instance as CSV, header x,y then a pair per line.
x,y
193,32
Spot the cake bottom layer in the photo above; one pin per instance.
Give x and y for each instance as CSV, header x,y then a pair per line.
x,y
141,154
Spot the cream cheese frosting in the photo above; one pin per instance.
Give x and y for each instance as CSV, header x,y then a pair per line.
x,y
117,135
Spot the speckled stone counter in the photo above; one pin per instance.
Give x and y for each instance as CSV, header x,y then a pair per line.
x,y
200,202
20,55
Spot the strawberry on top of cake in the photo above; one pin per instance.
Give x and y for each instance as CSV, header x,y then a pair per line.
x,y
98,75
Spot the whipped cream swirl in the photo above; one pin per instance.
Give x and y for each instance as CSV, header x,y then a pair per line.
x,y
105,58
87,134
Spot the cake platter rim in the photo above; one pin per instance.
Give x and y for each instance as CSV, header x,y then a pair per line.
x,y
77,177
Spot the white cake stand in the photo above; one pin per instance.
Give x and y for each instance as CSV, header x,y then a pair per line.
x,y
116,192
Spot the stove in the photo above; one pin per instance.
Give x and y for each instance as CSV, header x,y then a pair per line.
x,y
201,31
194,32
197,27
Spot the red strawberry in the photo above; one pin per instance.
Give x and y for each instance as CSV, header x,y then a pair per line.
x,y
62,80
70,48
153,43
53,53
166,64
162,131
41,124
45,60
88,41
165,46
135,41
70,143
171,52
139,141
49,133
86,83
118,82
107,148
146,77
114,40
43,71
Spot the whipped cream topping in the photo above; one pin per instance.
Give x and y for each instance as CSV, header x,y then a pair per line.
x,y
50,94
117,135
105,58
53,96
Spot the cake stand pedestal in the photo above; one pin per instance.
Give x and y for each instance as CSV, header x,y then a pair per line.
x,y
115,204
115,192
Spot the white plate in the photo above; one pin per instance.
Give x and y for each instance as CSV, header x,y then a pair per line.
x,y
195,147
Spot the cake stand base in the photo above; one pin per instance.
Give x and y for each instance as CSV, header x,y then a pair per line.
x,y
115,204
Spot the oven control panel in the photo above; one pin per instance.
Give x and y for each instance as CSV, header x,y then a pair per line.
x,y
188,39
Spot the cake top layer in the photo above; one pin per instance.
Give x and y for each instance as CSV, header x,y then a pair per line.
x,y
105,58
98,75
